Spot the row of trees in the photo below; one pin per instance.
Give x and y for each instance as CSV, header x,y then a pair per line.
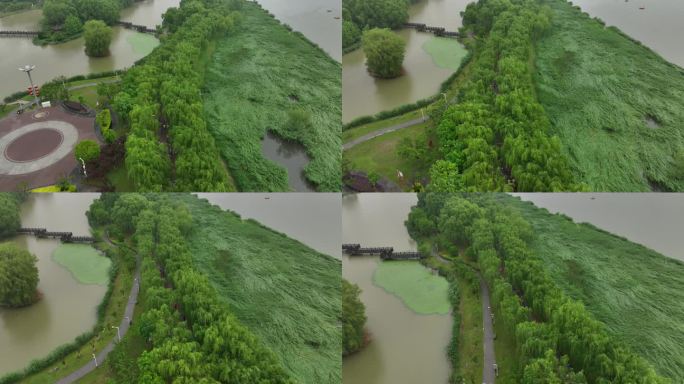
x,y
497,137
353,319
557,339
161,99
192,337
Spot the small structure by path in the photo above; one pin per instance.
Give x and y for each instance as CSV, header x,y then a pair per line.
x,y
383,131
123,327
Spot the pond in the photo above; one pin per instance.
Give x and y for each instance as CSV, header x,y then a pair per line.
x,y
68,308
291,156
69,59
406,347
424,71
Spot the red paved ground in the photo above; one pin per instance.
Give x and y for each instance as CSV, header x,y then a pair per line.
x,y
51,174
34,145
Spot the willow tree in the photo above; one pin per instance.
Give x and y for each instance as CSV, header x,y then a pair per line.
x,y
384,52
18,276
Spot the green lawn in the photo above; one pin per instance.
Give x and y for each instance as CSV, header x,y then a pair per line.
x,y
470,337
84,262
598,89
120,180
286,73
415,285
380,155
637,292
286,293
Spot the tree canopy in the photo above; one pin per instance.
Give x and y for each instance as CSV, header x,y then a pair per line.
x,y
18,276
97,37
9,215
353,318
384,52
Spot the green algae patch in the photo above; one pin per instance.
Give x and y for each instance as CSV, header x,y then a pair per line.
x,y
445,52
142,43
415,285
85,264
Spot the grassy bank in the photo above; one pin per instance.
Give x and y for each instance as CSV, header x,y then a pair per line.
x,y
284,292
284,73
598,88
637,292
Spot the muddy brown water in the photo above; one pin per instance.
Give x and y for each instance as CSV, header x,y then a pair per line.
x,y
291,156
67,308
654,220
69,59
406,347
313,219
363,94
658,26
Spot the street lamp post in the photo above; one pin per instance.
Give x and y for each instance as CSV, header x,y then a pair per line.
x,y
117,332
445,98
28,68
95,358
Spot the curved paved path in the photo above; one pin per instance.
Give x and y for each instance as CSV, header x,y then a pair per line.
x,y
86,85
383,131
488,374
123,327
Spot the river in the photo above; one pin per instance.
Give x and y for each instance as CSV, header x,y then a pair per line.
x,y
364,95
67,308
405,347
659,25
312,218
69,59
654,220
319,20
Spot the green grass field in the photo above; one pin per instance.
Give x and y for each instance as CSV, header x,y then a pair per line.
x,y
286,293
598,89
380,155
445,52
415,285
353,133
637,292
84,262
284,73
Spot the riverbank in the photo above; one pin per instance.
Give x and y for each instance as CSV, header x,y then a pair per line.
x,y
613,102
283,291
634,290
287,75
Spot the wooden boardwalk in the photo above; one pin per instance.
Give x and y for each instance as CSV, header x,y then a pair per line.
x,y
386,253
437,31
65,237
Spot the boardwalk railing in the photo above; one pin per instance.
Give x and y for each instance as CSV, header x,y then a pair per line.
x,y
437,31
386,253
139,28
18,33
66,237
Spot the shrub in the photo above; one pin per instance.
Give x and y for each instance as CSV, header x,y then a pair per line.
x,y
87,150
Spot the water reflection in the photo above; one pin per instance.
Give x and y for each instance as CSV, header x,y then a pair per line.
x,y
67,308
406,347
291,156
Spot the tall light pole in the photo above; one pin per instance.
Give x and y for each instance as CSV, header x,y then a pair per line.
x,y
28,68
95,358
117,332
